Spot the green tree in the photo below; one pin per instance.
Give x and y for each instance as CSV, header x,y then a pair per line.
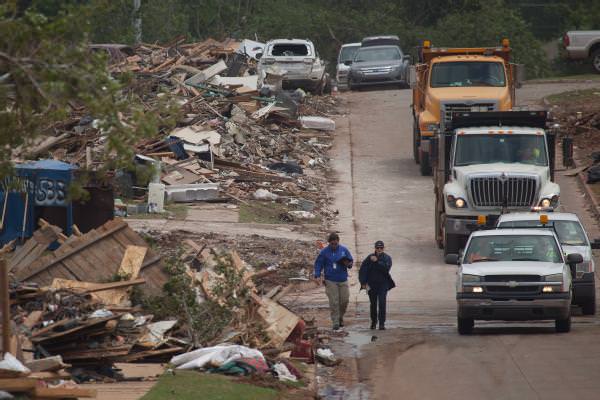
x,y
47,70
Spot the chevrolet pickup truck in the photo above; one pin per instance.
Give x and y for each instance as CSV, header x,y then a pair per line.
x,y
514,275
583,45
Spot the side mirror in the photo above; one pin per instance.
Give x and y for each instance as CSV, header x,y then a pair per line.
x,y
452,259
519,74
258,56
412,76
574,259
407,57
596,244
348,62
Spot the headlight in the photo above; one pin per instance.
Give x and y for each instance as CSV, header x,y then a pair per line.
x,y
549,202
554,278
545,203
553,288
456,202
467,278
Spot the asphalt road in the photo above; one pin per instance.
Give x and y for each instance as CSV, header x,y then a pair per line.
x,y
421,356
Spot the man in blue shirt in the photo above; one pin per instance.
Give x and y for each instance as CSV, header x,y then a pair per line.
x,y
334,261
375,274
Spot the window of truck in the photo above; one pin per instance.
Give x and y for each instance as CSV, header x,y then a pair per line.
x,y
499,148
347,53
460,73
290,50
377,54
541,248
570,233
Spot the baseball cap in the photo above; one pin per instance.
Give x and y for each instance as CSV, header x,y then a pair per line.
x,y
379,243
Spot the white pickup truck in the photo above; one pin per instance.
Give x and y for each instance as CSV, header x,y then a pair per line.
x,y
582,45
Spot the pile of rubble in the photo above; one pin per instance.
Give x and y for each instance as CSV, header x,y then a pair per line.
x,y
231,143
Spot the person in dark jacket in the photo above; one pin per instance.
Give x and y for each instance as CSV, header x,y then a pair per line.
x,y
374,275
334,261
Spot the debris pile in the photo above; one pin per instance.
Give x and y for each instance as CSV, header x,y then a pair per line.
x,y
230,141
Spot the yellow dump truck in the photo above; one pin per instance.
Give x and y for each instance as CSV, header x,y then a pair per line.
x,y
448,80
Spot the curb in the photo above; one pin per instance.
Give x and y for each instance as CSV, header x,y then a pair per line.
x,y
560,81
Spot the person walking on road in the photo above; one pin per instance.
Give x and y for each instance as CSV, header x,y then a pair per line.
x,y
374,275
334,261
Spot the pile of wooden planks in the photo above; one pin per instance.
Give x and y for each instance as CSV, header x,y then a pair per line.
x,y
92,257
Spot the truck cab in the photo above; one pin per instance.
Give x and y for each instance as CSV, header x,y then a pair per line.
x,y
487,164
457,79
513,275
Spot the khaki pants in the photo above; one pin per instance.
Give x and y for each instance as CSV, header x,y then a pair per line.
x,y
339,295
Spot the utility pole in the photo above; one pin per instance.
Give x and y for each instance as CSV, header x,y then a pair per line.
x,y
4,296
137,21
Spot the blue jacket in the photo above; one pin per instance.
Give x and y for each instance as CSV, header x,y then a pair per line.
x,y
329,262
376,273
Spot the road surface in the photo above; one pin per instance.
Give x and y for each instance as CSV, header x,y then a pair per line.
x,y
421,356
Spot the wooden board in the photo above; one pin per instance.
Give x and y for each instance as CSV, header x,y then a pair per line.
x,y
280,321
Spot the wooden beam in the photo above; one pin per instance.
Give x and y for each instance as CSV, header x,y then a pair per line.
x,y
30,272
4,295
63,393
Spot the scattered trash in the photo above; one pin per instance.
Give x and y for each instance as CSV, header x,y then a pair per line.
x,y
320,123
264,194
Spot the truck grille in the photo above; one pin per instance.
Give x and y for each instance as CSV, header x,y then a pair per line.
x,y
512,278
496,191
448,109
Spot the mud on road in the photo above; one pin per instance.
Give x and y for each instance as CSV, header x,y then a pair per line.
x,y
421,356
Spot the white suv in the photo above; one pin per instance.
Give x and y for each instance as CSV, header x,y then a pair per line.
x,y
514,275
299,63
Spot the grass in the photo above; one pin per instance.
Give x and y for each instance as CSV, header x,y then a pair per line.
x,y
269,213
190,385
174,211
575,96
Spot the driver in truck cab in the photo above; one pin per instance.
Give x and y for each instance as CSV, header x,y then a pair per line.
x,y
528,155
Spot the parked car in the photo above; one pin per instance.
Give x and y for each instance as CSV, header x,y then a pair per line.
x,y
347,52
582,45
298,61
514,275
385,40
376,63
573,239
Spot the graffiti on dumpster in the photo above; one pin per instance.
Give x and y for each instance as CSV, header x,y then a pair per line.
x,y
47,192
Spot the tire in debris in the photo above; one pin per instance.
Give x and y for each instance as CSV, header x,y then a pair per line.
x,y
596,60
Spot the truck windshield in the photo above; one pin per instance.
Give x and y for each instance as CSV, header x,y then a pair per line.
x,y
347,53
570,233
498,148
451,74
542,248
378,54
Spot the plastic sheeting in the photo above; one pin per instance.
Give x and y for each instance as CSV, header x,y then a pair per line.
x,y
215,356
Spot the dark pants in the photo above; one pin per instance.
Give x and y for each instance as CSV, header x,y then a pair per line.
x,y
377,298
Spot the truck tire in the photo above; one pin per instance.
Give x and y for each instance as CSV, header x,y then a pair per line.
x,y
563,325
416,141
465,325
451,243
589,307
595,58
424,165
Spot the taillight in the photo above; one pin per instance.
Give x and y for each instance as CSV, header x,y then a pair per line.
x,y
566,40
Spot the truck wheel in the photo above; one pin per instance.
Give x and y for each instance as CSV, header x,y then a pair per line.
x,y
416,141
589,307
563,325
596,60
451,243
425,167
465,325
